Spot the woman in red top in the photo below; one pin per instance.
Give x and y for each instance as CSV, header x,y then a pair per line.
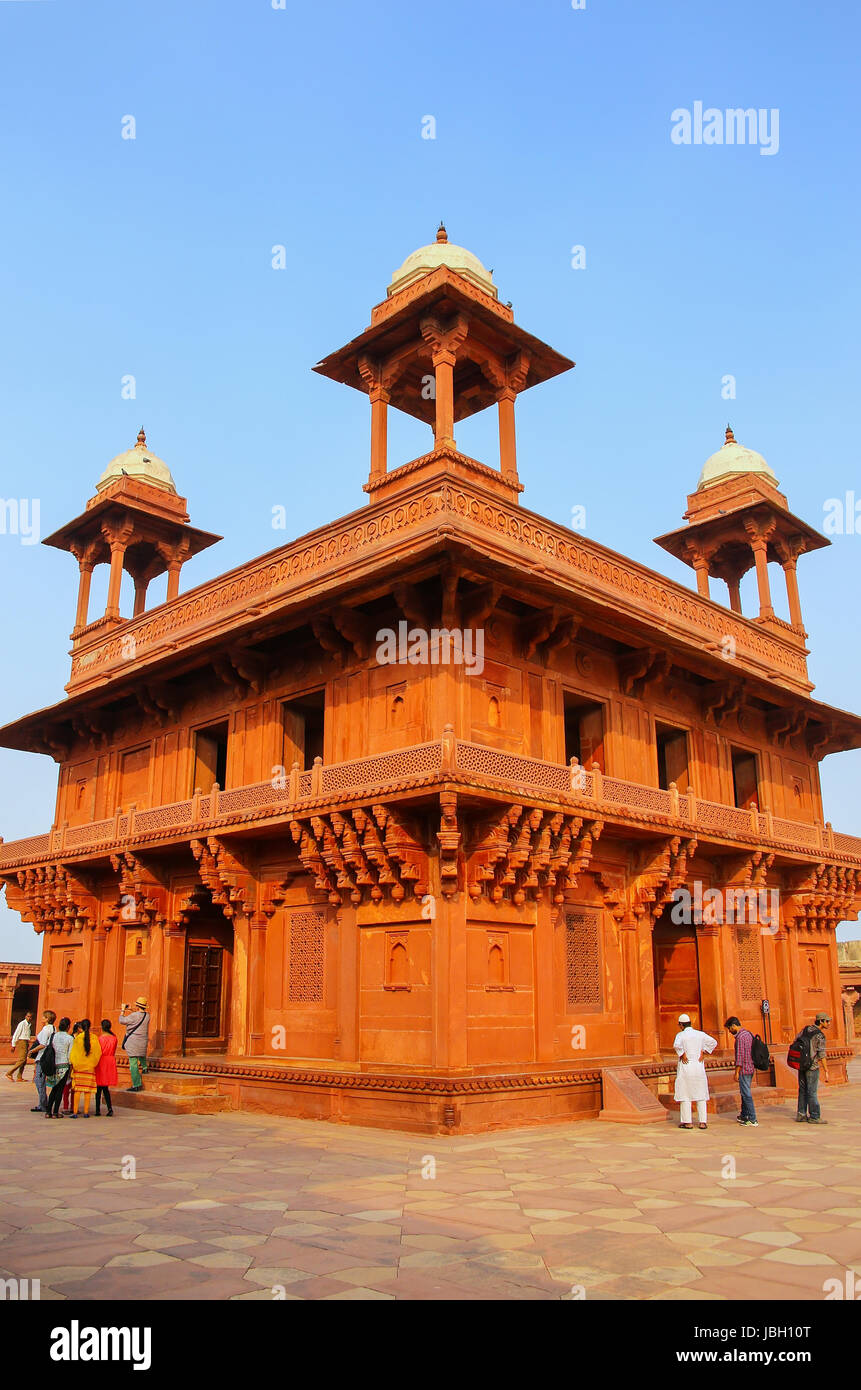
x,y
106,1071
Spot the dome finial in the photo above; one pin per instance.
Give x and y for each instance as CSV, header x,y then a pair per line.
x,y
730,437
141,444
441,233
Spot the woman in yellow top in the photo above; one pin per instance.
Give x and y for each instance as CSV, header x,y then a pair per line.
x,y
85,1057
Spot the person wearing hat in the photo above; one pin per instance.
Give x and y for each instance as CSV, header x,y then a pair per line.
x,y
692,1084
136,1023
808,1077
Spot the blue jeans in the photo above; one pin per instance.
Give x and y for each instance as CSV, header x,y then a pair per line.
x,y
748,1109
39,1078
808,1092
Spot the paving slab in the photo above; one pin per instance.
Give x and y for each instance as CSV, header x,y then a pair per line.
x,y
234,1206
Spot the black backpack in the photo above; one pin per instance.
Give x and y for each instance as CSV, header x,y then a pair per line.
x,y
759,1054
48,1057
800,1054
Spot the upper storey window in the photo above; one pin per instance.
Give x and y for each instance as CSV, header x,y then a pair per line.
x,y
210,757
584,731
672,757
303,720
745,779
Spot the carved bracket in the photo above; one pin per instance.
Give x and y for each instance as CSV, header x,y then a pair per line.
x,y
359,854
229,881
140,889
54,898
522,852
661,871
639,669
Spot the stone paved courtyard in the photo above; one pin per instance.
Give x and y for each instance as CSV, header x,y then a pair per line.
x,y
230,1206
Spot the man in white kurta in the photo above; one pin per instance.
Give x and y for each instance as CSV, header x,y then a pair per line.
x,y
692,1084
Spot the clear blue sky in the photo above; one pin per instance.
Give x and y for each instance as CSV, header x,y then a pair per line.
x,y
258,126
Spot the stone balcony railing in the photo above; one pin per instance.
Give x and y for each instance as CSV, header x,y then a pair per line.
x,y
445,760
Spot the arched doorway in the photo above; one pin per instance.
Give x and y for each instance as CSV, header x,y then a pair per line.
x,y
677,977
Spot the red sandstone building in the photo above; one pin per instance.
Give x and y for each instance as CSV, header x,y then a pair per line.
x,y
417,893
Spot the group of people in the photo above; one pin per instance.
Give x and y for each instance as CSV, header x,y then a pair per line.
x,y
692,1085
74,1065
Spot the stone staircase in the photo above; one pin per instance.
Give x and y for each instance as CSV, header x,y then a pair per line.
x,y
724,1096
173,1093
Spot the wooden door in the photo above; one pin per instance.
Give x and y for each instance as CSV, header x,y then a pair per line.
x,y
677,980
203,978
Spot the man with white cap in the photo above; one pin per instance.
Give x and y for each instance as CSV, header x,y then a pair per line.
x,y
691,1081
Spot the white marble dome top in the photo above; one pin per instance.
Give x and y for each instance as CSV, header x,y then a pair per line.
x,y
733,458
442,252
139,462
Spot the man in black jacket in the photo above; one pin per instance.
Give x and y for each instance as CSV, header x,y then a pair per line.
x,y
808,1077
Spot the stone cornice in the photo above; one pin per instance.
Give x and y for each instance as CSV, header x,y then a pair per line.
x,y
440,507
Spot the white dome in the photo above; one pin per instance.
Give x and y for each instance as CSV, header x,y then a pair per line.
x,y
731,459
442,252
139,462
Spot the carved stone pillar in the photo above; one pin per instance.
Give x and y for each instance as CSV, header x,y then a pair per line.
x,y
507,436
83,595
173,570
173,987
237,1040
256,976
633,985
118,533
700,562
545,1011
379,431
118,551
701,565
734,586
174,556
7,995
443,365
713,1006
96,990
444,341
87,556
347,1039
788,553
760,555
792,594
759,537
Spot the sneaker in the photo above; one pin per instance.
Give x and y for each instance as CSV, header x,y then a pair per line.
x,y
811,1121
753,1123
801,1119
36,1110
